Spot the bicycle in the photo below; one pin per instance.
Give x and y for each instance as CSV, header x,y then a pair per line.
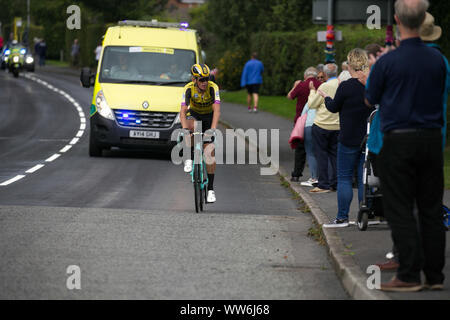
x,y
199,175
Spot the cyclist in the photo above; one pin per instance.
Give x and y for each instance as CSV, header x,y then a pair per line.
x,y
201,102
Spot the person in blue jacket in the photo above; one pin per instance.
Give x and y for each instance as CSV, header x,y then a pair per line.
x,y
252,80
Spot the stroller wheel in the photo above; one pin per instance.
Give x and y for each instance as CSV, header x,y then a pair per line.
x,y
363,220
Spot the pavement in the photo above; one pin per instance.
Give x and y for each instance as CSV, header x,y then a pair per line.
x,y
351,250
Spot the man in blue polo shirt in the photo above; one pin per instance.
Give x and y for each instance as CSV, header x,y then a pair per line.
x,y
408,84
252,79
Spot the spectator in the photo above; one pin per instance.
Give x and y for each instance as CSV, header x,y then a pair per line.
x,y
300,91
344,66
353,114
374,51
308,139
408,84
42,52
11,39
75,53
321,76
325,131
98,52
36,48
1,42
320,67
252,80
309,147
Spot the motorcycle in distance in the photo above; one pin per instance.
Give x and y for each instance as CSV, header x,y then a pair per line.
x,y
17,58
15,62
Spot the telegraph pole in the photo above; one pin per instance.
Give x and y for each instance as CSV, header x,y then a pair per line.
x,y
28,23
329,50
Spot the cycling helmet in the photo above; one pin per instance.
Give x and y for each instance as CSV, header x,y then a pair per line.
x,y
200,70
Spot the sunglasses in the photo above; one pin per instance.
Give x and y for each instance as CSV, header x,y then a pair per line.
x,y
203,79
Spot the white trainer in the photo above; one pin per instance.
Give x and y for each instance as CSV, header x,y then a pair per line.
x,y
188,166
211,196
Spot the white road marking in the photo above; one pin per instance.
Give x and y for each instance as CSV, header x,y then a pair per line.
x,y
53,157
35,168
8,182
67,147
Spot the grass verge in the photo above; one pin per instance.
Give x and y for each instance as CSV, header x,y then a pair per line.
x,y
278,105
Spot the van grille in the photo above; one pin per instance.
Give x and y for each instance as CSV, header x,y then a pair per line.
x,y
145,119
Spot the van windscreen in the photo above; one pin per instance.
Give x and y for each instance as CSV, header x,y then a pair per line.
x,y
146,65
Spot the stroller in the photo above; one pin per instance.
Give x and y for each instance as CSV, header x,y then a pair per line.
x,y
371,205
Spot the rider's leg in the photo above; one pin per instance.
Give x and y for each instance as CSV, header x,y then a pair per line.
x,y
210,160
188,158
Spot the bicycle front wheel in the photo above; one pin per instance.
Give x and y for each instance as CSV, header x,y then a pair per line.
x,y
197,189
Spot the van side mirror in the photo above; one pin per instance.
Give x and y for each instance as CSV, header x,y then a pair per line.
x,y
87,78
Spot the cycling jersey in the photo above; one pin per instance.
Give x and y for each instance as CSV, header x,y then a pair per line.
x,y
198,102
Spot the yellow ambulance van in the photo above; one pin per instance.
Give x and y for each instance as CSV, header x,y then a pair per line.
x,y
143,68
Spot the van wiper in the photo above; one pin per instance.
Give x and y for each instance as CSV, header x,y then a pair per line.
x,y
173,82
140,81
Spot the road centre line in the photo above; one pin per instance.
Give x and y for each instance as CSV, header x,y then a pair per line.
x,y
16,178
67,147
35,168
53,157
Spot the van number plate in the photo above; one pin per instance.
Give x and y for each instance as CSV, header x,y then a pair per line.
x,y
144,134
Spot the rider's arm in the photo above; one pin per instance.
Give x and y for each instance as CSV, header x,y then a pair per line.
x,y
184,107
216,106
216,115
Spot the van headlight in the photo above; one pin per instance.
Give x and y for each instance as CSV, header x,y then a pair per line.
x,y
102,106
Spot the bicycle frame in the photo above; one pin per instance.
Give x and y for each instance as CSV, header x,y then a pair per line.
x,y
199,159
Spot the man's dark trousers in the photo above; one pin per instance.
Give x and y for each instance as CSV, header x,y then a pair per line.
x,y
300,160
325,150
411,170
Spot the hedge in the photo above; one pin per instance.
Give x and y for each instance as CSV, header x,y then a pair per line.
x,y
286,55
